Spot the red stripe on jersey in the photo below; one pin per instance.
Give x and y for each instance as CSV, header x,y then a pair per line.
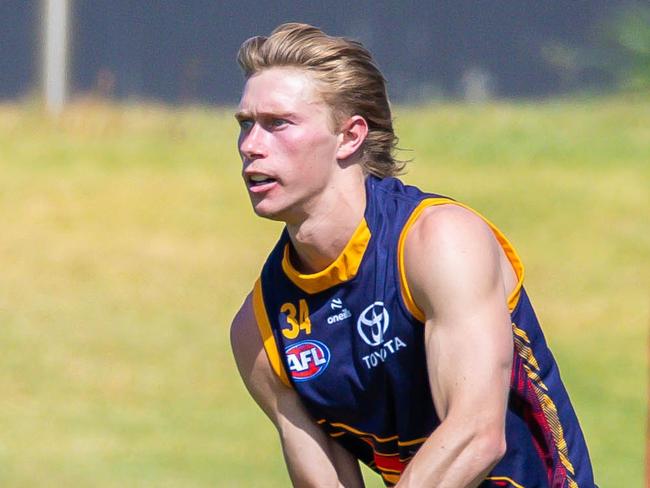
x,y
389,463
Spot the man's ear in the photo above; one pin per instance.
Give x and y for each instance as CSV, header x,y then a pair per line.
x,y
353,133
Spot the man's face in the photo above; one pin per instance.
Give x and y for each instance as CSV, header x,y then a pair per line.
x,y
286,143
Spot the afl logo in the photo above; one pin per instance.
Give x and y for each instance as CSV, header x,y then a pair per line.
x,y
307,359
372,324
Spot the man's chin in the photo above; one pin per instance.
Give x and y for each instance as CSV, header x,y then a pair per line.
x,y
287,212
267,213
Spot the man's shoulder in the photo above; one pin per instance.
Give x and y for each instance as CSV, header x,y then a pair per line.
x,y
243,329
448,242
450,219
447,225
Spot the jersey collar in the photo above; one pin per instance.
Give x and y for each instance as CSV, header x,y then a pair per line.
x,y
344,267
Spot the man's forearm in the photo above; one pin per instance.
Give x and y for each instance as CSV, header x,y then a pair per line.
x,y
314,460
454,456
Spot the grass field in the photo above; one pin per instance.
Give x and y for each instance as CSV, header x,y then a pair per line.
x,y
127,243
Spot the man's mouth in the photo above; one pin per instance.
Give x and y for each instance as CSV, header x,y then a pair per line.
x,y
260,180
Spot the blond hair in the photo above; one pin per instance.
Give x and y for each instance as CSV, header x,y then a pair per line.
x,y
349,81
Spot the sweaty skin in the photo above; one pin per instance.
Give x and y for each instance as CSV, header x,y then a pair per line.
x,y
298,170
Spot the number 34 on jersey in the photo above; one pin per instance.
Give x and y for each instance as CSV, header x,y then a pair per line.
x,y
297,319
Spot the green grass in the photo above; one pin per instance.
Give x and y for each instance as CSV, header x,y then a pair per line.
x,y
127,243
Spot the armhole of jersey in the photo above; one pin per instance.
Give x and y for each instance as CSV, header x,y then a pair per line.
x,y
268,339
510,252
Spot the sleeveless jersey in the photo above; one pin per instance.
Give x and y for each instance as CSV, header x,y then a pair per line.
x,y
350,341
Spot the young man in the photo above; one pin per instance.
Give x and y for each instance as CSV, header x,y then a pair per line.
x,y
388,325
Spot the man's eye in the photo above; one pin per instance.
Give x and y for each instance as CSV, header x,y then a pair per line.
x,y
278,122
245,124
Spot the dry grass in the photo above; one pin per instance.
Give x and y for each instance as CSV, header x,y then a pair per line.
x,y
127,244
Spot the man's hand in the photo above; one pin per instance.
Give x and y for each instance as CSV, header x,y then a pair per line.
x,y
313,459
460,279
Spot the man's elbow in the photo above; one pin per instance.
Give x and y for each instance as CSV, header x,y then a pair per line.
x,y
490,447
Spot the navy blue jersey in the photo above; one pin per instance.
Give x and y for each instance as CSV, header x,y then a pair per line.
x,y
350,341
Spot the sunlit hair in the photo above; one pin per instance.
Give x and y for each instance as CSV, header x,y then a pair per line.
x,y
348,81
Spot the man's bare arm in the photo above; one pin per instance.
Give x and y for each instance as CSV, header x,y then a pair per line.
x,y
312,458
454,270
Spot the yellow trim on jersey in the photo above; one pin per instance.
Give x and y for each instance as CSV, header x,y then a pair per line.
x,y
268,339
366,434
377,438
509,250
413,442
504,478
391,478
343,269
525,352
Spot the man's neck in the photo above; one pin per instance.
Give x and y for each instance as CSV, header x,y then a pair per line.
x,y
320,238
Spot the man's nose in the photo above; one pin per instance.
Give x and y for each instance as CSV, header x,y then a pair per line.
x,y
251,143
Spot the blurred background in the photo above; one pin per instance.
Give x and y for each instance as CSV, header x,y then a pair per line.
x,y
182,52
127,241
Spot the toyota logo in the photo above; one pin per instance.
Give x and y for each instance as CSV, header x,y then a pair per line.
x,y
372,324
